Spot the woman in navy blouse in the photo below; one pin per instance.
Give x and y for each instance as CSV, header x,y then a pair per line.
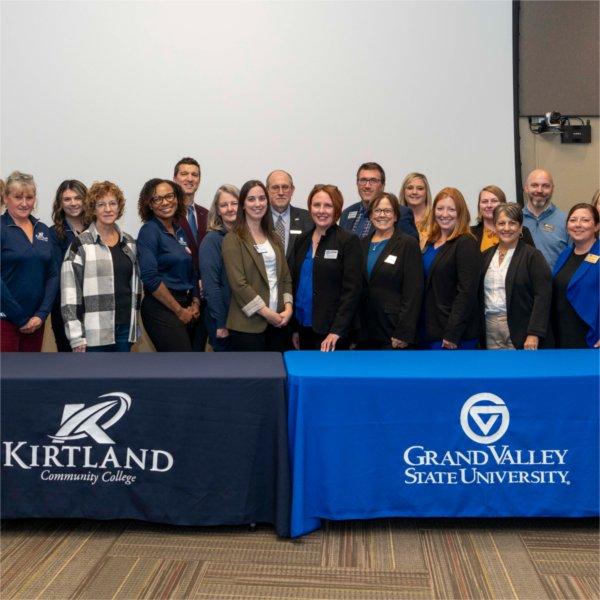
x,y
29,278
67,215
215,286
171,307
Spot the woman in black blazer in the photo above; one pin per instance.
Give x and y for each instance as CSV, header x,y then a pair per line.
x,y
484,231
393,290
517,287
327,273
452,263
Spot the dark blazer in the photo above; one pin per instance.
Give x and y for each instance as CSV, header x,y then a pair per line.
x,y
528,292
300,222
194,243
406,222
393,292
337,281
452,292
477,231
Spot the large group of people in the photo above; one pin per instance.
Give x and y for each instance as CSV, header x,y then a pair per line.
x,y
254,273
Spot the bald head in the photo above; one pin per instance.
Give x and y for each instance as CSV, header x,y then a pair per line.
x,y
280,188
539,187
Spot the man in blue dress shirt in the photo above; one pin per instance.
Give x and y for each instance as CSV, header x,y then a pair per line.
x,y
545,221
370,182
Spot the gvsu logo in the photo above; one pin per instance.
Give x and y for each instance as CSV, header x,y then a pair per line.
x,y
79,422
488,413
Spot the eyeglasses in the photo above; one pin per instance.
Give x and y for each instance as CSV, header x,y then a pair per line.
x,y
383,211
103,205
280,188
156,200
369,180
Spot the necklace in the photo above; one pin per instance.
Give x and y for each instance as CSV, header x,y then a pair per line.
x,y
375,245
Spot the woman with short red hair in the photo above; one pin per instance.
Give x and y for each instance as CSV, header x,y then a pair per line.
x,y
327,273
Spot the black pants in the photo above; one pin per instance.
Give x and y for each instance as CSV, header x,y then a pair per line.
x,y
311,340
272,339
201,334
58,327
167,332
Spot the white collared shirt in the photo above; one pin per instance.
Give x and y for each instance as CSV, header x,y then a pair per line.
x,y
494,284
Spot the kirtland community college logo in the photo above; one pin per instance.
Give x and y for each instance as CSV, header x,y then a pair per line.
x,y
485,419
98,458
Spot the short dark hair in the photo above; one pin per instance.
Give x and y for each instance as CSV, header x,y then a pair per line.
x,y
593,210
334,193
393,200
148,191
186,160
372,166
511,209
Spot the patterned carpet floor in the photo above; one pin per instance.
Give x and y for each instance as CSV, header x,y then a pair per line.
x,y
359,560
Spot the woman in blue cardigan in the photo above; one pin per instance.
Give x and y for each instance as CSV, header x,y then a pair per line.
x,y
575,298
215,286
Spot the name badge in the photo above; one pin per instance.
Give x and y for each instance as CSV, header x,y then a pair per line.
x,y
182,241
352,214
331,253
592,258
391,259
259,249
295,231
548,227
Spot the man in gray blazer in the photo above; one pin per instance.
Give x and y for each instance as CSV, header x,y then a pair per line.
x,y
289,221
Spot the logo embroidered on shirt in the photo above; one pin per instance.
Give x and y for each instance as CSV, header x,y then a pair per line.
x,y
41,237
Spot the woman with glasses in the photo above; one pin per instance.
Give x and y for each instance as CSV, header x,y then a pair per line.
x,y
261,286
29,276
221,219
68,217
171,306
327,266
100,281
394,281
484,231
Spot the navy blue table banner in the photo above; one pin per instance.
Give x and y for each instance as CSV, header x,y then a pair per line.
x,y
185,439
442,434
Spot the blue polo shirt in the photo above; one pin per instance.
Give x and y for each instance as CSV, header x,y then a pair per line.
x,y
549,231
164,258
28,271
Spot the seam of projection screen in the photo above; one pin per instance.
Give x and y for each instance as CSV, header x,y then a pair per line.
x,y
559,50
122,90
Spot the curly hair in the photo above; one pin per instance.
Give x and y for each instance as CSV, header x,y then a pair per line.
x,y
58,214
149,190
99,190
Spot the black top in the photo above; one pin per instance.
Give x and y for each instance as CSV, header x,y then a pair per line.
x,y
337,279
122,271
569,329
393,291
528,287
452,292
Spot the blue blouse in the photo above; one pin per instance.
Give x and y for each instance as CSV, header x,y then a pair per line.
x,y
375,249
428,257
304,293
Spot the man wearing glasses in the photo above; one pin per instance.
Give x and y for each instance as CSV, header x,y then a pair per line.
x,y
289,221
370,181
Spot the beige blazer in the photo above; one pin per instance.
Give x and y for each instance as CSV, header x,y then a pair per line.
x,y
249,283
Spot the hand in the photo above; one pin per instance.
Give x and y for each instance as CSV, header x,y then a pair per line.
x,y
222,332
328,344
81,348
531,342
185,315
272,317
31,325
195,308
286,315
296,340
449,345
597,344
396,343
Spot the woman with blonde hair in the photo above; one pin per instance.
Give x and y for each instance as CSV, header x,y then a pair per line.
x,y
416,194
221,219
452,264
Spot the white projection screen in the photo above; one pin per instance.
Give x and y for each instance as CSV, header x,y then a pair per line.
x,y
122,90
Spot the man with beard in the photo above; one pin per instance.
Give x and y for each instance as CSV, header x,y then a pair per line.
x,y
545,221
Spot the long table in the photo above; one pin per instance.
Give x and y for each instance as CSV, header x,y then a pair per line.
x,y
442,434
186,439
